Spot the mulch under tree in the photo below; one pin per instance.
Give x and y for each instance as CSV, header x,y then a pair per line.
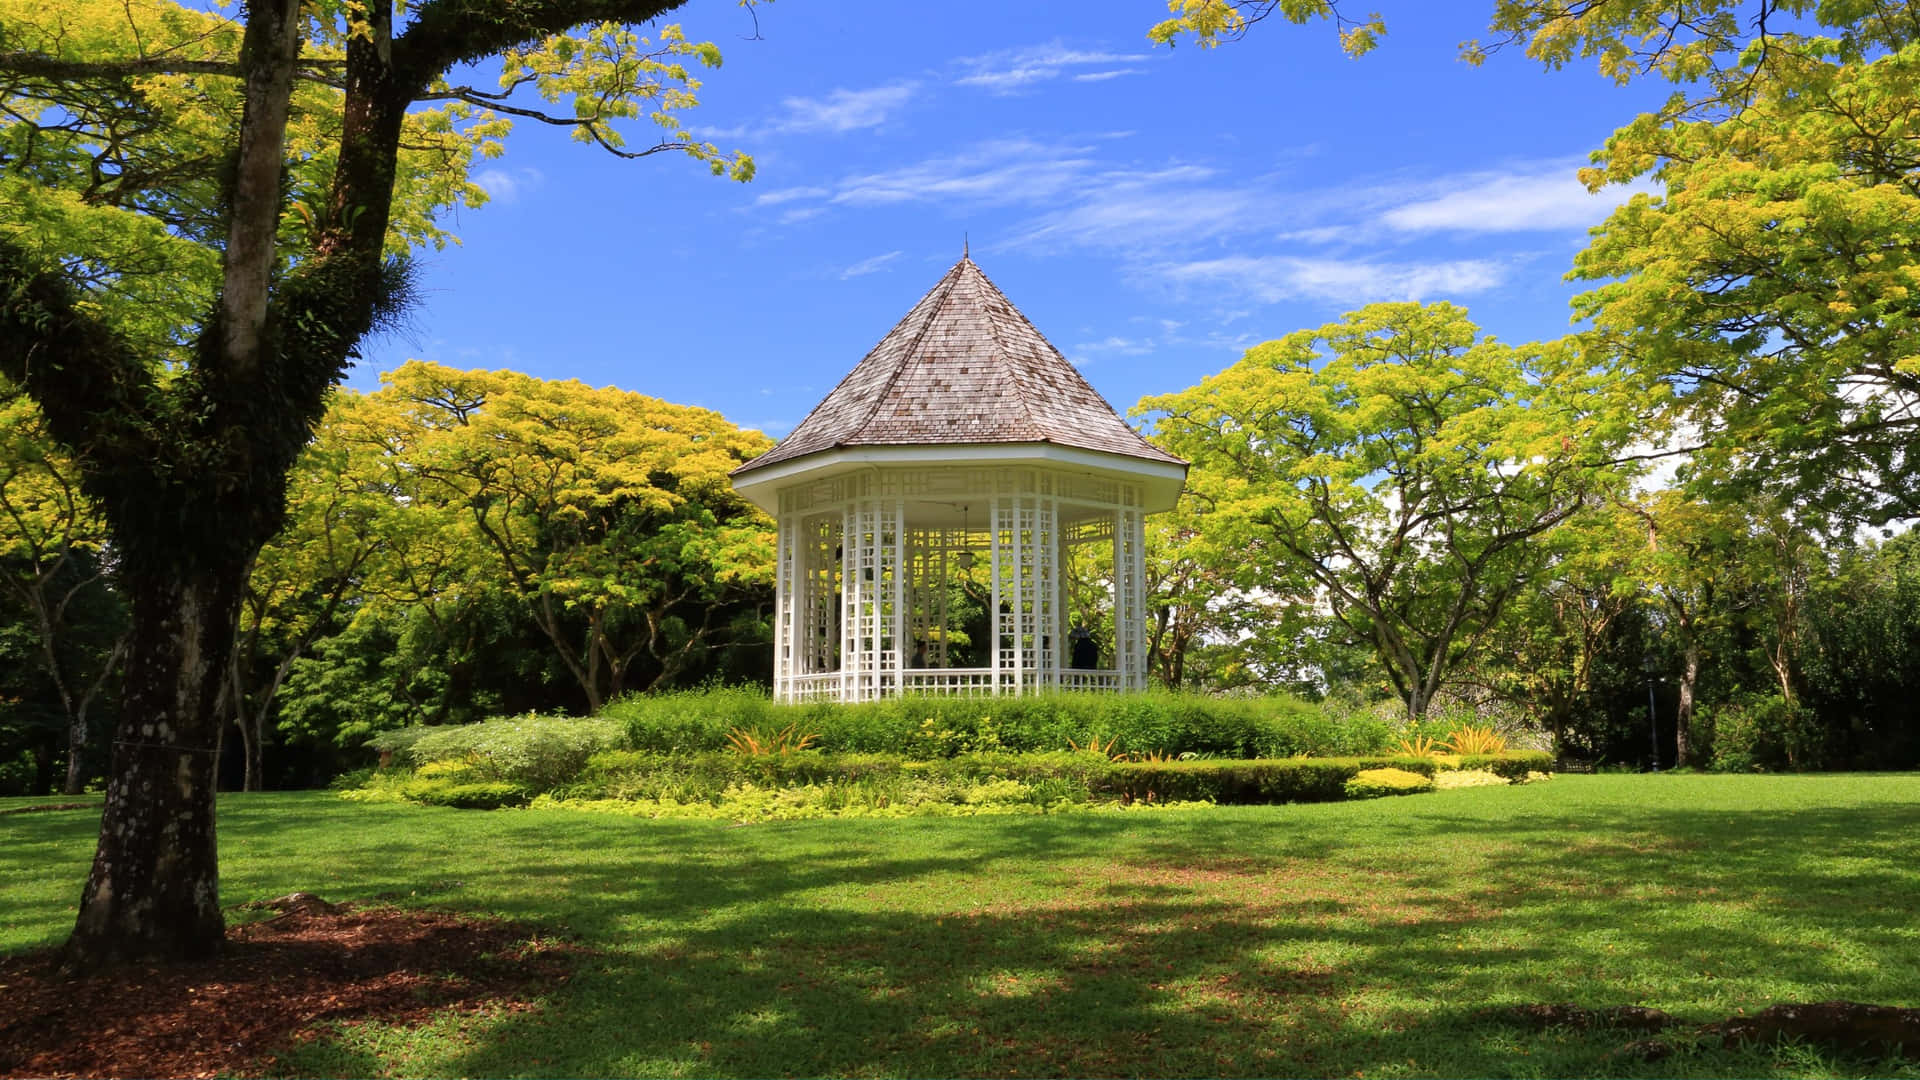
x,y
278,980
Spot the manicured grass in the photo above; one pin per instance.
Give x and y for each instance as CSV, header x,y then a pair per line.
x,y
1333,939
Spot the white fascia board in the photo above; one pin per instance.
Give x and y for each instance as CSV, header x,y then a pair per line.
x,y
1161,481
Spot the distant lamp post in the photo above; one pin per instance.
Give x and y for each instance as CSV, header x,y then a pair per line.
x,y
1651,665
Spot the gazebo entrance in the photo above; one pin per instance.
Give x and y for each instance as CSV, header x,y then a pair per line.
x,y
868,564
963,456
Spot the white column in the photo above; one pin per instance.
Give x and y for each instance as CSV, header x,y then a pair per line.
x,y
788,602
898,620
1046,592
995,627
1129,601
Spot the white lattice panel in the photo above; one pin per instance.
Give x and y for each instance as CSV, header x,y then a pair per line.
x,y
859,581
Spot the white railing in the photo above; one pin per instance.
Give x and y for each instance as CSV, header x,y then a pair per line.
x,y
956,682
1082,679
948,682
822,687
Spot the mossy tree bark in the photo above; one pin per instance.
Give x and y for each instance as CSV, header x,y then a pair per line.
x,y
190,469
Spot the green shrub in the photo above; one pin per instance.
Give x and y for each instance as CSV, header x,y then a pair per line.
x,y
467,795
347,781
686,778
536,752
1237,782
1512,766
1377,783
1765,733
938,727
399,742
1289,779
900,795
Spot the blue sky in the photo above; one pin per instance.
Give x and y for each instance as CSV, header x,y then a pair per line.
x,y
1153,211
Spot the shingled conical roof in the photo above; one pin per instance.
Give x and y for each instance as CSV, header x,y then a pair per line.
x,y
964,366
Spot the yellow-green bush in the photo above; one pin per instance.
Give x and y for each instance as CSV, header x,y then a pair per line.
x,y
1375,783
1447,779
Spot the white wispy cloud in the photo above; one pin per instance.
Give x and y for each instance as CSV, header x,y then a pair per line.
x,y
1010,71
1536,198
508,185
1103,76
869,266
844,110
784,195
1274,278
1116,344
1246,240
1135,210
1000,172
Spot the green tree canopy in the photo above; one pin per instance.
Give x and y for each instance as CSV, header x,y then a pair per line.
x,y
269,170
1397,466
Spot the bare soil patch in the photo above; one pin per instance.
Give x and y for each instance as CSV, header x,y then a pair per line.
x,y
315,964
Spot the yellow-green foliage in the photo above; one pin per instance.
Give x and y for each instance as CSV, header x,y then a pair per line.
x,y
447,770
750,803
1444,779
756,743
1476,740
1093,745
1417,746
1374,783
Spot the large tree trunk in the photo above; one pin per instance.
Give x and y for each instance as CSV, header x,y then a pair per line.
x,y
1683,716
76,781
42,767
77,728
153,893
250,746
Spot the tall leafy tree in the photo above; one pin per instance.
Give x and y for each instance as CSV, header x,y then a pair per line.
x,y
608,513
305,582
1768,289
1546,652
54,564
262,153
1396,465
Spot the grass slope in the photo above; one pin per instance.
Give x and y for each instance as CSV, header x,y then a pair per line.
x,y
1306,940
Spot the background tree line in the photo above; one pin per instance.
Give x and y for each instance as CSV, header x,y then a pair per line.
x,y
205,216
459,544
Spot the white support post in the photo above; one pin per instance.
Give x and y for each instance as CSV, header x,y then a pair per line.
x,y
788,601
1129,603
994,624
899,622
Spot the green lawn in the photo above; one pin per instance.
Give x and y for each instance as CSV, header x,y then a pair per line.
x,y
1310,940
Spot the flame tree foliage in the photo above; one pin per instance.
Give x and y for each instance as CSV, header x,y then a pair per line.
x,y
1398,468
606,516
1760,310
205,216
1769,289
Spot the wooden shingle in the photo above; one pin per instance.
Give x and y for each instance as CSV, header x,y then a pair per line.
x,y
963,366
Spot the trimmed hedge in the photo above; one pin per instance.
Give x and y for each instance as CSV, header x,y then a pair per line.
x,y
466,795
1289,779
640,774
537,752
927,728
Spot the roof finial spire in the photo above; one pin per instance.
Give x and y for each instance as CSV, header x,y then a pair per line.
x,y
965,249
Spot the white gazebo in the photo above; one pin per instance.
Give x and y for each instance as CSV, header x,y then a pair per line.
x,y
963,444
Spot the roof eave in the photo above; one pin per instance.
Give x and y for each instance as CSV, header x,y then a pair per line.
x,y
1161,481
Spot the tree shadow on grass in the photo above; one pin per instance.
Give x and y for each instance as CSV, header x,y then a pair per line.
x,y
37,907
1246,945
